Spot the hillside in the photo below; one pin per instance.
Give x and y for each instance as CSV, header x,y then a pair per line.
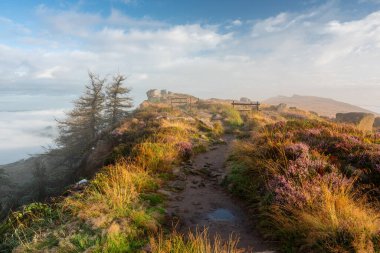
x,y
323,106
213,180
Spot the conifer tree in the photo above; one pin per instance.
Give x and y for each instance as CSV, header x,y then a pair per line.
x,y
40,179
84,123
117,100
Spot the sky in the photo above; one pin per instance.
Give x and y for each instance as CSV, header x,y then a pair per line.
x,y
209,48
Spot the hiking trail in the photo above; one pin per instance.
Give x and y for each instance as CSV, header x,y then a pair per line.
x,y
200,201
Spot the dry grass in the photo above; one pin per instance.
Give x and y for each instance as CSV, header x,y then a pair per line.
x,y
336,221
115,190
159,152
198,242
112,213
155,156
334,217
111,208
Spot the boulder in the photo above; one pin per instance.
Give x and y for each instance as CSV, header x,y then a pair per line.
x,y
281,107
164,93
376,124
364,121
153,95
245,100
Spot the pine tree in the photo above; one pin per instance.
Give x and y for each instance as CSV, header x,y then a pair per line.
x,y
84,123
40,179
118,101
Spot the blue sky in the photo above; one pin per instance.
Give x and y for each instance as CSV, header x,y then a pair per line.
x,y
214,48
181,11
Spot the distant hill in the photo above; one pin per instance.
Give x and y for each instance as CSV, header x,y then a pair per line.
x,y
322,106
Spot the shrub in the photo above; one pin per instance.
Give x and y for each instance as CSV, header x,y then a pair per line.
x,y
218,129
232,117
185,149
295,176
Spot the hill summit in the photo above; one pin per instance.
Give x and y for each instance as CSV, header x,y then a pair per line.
x,y
323,106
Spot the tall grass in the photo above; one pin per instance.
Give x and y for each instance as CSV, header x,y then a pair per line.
x,y
159,152
198,242
335,221
232,116
114,191
303,197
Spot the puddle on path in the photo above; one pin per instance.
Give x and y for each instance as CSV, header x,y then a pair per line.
x,y
221,214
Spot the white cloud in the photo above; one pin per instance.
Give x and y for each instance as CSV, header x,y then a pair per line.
x,y
49,73
11,26
308,52
237,22
352,39
26,129
272,24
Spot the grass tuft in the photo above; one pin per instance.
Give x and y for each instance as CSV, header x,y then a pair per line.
x,y
198,242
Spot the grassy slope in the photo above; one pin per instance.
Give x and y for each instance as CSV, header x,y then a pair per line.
x,y
313,185
304,179
120,210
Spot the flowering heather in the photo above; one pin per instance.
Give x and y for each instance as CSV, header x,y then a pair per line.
x,y
296,150
286,192
185,149
278,126
309,175
306,167
300,180
116,133
335,180
313,132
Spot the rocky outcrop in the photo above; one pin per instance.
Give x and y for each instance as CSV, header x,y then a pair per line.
x,y
376,124
153,95
164,96
364,121
245,100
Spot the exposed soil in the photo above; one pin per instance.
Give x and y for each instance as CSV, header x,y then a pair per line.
x,y
200,201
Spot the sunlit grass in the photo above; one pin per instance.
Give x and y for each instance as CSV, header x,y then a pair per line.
x,y
314,212
197,242
335,220
119,209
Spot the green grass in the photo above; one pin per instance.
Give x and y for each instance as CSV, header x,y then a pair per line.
x,y
152,198
83,241
50,242
232,117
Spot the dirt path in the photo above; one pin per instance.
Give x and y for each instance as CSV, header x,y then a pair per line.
x,y
202,202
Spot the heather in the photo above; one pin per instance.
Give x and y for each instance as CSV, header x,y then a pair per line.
x,y
312,185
